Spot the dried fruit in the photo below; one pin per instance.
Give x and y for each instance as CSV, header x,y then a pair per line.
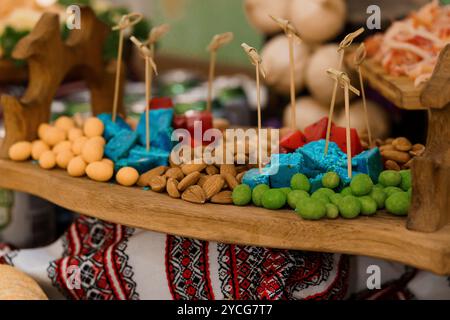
x,y
213,185
189,180
144,178
239,176
223,197
157,183
172,188
194,194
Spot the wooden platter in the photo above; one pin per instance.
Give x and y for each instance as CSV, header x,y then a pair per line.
x,y
382,236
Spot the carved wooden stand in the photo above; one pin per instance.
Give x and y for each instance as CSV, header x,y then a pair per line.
x,y
49,61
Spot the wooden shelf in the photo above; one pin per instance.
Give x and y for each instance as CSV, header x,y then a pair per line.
x,y
383,236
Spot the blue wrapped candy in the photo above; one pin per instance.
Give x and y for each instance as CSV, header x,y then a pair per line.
x,y
111,128
283,167
252,177
369,162
119,146
160,129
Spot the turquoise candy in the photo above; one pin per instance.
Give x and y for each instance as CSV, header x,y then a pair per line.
x,y
369,162
252,177
120,145
112,128
316,182
160,129
283,167
143,160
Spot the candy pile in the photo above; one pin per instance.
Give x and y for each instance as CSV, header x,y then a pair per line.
x,y
393,192
399,153
196,183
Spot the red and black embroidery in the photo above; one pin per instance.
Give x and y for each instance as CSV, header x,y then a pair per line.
x,y
187,269
96,250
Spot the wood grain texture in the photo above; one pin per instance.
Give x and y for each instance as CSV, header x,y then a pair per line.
x,y
50,60
383,236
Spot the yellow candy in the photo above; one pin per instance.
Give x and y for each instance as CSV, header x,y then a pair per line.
x,y
93,127
76,167
74,133
127,176
92,151
99,171
37,148
47,160
20,151
63,158
65,123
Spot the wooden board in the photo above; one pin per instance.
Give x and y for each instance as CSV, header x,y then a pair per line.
x,y
12,74
383,236
399,90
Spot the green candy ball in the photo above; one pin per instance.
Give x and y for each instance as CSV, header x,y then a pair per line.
x,y
242,195
379,196
398,203
300,182
336,198
347,191
350,207
390,178
311,209
326,191
332,211
391,190
331,180
406,179
321,196
285,190
368,205
258,192
361,185
273,199
295,196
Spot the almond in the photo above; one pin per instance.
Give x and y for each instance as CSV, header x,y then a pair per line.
x,y
417,150
223,197
213,185
230,180
391,165
387,147
239,176
175,173
189,168
228,168
211,170
157,183
194,194
240,169
408,164
202,180
172,188
189,180
397,156
402,144
145,177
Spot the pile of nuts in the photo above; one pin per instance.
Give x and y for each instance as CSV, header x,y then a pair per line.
x,y
399,153
196,183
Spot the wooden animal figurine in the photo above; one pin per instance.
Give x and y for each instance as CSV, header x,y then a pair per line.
x,y
50,59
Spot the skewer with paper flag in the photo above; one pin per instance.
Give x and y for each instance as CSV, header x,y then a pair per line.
x,y
292,35
341,78
360,56
147,54
218,41
126,21
256,61
348,40
153,37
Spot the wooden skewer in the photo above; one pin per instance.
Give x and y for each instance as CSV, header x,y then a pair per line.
x,y
344,44
359,58
292,34
126,21
343,79
216,43
256,61
149,64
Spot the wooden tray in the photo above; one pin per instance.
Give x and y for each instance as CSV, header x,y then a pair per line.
x,y
382,236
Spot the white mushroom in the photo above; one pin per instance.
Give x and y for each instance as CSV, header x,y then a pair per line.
x,y
318,20
275,57
257,12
